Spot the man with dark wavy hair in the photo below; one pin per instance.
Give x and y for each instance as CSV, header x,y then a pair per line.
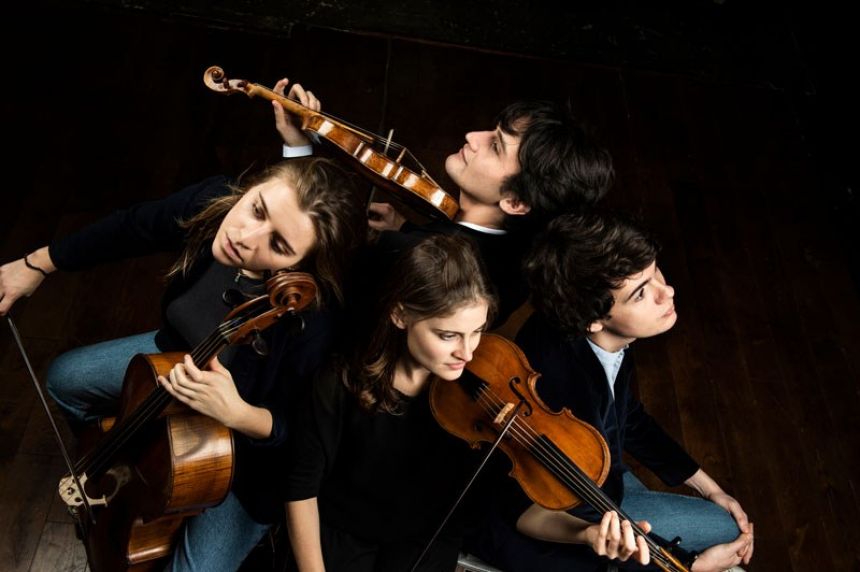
x,y
596,288
536,162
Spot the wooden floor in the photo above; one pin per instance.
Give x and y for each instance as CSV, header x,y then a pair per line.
x,y
759,378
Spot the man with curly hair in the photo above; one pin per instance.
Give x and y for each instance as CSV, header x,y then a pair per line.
x,y
536,161
596,289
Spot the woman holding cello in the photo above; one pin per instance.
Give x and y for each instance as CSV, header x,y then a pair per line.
x,y
299,215
373,474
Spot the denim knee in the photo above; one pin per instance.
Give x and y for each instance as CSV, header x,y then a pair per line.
x,y
60,386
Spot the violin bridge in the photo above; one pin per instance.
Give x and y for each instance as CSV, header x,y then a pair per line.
x,y
503,413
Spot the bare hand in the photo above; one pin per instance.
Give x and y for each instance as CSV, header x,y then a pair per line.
x,y
287,125
211,392
616,540
733,507
16,280
383,216
724,556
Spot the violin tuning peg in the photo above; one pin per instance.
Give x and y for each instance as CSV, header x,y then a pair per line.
x,y
260,346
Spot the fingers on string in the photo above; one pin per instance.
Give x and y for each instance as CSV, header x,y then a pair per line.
x,y
280,86
603,533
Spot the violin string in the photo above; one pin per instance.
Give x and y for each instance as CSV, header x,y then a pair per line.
x,y
572,475
567,471
579,483
520,431
377,139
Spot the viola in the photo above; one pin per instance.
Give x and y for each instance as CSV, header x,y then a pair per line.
x,y
160,461
386,164
558,460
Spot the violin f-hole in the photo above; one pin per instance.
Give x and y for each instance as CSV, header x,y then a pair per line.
x,y
513,385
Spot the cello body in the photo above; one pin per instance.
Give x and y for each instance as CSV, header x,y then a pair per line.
x,y
177,466
158,461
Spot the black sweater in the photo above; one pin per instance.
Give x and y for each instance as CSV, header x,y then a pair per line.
x,y
271,383
573,378
378,476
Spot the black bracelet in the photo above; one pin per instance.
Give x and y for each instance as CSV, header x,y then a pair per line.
x,y
36,268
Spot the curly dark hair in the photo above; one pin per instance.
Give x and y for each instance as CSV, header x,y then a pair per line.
x,y
577,262
434,278
562,167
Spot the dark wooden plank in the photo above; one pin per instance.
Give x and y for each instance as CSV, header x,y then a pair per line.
x,y
703,348
59,550
26,496
819,375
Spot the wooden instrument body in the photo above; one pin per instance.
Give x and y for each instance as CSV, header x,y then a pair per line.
x,y
500,364
177,466
380,160
384,172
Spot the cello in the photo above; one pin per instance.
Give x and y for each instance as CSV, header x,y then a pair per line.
x,y
160,461
559,461
384,163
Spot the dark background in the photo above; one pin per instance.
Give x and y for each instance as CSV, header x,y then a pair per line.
x,y
733,130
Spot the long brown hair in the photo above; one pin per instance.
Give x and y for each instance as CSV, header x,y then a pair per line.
x,y
325,193
434,278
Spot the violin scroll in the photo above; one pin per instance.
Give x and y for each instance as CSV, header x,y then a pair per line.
x,y
384,163
216,80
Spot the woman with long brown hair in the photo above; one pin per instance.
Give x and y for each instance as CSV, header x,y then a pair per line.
x,y
300,214
372,474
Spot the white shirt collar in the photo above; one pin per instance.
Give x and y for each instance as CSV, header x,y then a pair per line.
x,y
484,229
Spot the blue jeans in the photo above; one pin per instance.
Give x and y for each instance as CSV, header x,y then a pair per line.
x,y
699,522
217,539
86,382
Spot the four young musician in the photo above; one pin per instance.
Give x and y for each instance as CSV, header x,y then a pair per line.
x,y
330,411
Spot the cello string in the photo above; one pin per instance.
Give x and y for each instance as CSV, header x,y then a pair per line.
x,y
154,402
569,473
116,439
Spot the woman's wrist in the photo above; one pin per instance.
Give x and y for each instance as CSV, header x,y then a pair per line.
x,y
255,422
40,261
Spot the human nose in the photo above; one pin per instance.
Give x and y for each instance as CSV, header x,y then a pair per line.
x,y
466,349
249,233
473,139
667,293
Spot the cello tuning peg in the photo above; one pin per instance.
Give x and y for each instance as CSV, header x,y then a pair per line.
x,y
232,297
259,344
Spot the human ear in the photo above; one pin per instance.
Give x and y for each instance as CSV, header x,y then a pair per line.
x,y
512,205
398,318
595,327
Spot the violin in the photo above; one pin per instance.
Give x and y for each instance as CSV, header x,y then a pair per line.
x,y
160,461
559,461
386,164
